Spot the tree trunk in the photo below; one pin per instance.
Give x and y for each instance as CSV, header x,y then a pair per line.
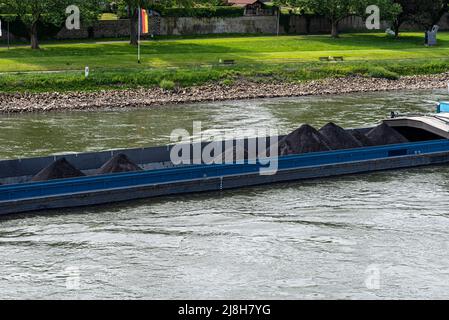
x,y
396,28
334,29
134,19
396,33
33,36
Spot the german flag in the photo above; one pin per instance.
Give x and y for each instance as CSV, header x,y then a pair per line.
x,y
144,27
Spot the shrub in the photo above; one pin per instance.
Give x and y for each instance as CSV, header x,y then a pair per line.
x,y
228,82
167,85
380,72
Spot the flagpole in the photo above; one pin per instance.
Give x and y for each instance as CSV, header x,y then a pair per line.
x,y
138,38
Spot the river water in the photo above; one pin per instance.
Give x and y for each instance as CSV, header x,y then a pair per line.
x,y
380,235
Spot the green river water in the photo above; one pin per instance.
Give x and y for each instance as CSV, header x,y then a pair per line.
x,y
380,235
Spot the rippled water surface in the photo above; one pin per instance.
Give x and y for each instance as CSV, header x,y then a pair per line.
x,y
381,235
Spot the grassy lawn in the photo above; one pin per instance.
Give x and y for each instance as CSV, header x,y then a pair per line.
x,y
195,61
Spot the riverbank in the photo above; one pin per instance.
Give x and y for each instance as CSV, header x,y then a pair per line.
x,y
149,97
187,63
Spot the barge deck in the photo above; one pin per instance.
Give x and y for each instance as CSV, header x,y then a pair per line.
x,y
160,178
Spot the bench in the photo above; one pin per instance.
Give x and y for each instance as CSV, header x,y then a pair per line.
x,y
331,59
227,62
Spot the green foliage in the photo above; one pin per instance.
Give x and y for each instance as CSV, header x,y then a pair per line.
x,y
203,12
388,9
127,7
337,10
228,82
8,17
32,11
177,8
381,72
90,10
422,12
5,12
167,85
34,14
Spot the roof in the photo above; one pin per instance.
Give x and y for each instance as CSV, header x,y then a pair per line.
x,y
434,123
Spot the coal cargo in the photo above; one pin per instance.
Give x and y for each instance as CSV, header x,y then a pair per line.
x,y
305,139
338,138
384,135
60,169
119,163
362,138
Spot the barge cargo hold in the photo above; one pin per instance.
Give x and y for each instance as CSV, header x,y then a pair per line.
x,y
160,177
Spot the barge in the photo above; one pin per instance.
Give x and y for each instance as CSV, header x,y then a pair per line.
x,y
427,137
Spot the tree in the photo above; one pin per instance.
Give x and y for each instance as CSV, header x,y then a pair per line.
x,y
408,11
33,12
132,6
90,11
5,14
337,10
422,12
429,13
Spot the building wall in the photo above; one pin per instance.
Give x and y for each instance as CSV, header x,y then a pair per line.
x,y
102,29
304,25
253,24
186,26
4,37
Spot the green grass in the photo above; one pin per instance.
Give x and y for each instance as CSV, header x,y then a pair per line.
x,y
194,61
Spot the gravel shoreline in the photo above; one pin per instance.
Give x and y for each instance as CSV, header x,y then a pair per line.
x,y
43,102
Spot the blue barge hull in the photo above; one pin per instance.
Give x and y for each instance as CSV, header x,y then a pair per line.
x,y
102,189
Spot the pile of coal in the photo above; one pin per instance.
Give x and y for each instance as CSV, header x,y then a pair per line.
x,y
332,137
119,163
338,138
362,138
384,134
60,169
303,140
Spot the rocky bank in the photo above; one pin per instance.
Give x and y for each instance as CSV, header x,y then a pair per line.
x,y
148,97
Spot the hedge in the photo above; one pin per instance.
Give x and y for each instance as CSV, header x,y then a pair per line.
x,y
203,12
